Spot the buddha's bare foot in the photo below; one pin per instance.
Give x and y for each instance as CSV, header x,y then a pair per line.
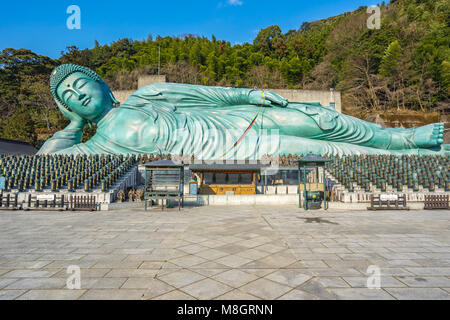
x,y
429,136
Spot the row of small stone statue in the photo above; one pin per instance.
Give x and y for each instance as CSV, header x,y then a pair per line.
x,y
133,195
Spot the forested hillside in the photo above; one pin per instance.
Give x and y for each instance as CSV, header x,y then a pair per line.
x,y
405,65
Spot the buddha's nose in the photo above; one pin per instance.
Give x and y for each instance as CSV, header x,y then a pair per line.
x,y
81,96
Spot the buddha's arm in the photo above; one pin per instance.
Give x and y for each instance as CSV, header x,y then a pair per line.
x,y
185,96
66,138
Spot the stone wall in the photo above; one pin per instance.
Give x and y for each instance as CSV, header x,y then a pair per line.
x,y
122,95
252,200
324,97
150,79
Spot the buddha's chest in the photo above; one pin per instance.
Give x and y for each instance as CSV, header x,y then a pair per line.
x,y
131,129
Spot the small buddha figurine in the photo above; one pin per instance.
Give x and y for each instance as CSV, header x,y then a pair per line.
x,y
216,123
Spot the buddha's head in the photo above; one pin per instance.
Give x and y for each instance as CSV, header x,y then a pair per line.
x,y
80,90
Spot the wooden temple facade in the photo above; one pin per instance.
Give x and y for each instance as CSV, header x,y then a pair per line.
x,y
223,179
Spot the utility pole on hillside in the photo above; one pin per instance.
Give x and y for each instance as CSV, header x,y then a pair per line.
x,y
159,60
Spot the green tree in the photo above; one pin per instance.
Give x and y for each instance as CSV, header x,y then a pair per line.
x,y
391,60
446,75
76,56
38,100
15,66
266,39
21,127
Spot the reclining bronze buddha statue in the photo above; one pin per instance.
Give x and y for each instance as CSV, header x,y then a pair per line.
x,y
169,118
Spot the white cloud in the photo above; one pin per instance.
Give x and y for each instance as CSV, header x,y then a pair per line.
x,y
235,2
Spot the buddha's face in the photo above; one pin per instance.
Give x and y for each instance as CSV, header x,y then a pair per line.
x,y
85,96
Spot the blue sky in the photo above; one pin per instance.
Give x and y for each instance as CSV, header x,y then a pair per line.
x,y
41,25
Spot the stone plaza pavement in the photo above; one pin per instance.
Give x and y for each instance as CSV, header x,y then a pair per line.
x,y
225,253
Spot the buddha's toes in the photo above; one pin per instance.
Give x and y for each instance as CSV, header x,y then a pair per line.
x,y
429,136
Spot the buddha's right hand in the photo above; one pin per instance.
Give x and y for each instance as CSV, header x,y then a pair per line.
x,y
267,98
76,122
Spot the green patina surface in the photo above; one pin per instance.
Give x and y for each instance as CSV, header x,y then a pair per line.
x,y
207,122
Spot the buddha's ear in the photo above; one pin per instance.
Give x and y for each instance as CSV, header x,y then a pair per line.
x,y
114,101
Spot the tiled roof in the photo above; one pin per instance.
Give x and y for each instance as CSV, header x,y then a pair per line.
x,y
163,163
312,158
227,167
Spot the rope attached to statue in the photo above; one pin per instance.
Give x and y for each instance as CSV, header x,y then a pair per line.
x,y
249,127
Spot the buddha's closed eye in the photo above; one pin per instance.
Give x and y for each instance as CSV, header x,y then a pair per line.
x,y
67,95
80,83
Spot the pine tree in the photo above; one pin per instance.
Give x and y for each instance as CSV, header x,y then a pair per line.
x,y
391,59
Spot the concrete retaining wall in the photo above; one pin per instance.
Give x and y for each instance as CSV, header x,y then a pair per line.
x,y
324,97
250,200
122,95
150,79
237,200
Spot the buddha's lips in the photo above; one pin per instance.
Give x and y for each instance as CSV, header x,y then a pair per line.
x,y
86,101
